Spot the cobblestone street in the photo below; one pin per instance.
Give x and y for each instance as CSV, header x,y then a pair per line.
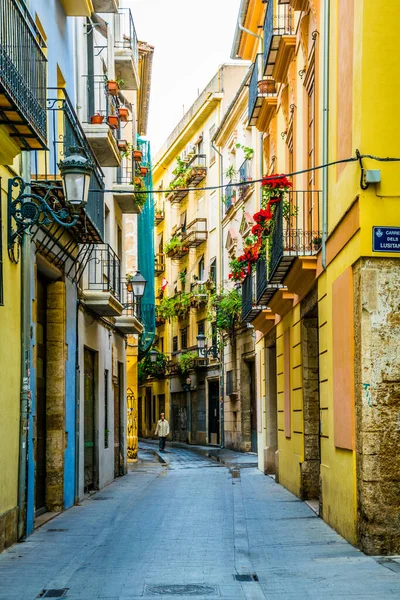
x,y
192,522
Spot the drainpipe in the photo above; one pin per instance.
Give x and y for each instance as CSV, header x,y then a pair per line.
x,y
25,395
240,26
248,31
221,241
325,122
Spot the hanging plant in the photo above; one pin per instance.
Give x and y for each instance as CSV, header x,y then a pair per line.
x,y
186,362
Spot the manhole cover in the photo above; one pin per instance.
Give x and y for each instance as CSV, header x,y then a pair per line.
x,y
181,590
60,593
246,577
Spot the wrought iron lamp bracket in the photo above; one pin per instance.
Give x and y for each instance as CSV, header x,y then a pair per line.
x,y
29,209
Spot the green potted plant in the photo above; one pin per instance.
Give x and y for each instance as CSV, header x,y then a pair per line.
x,y
172,245
114,85
137,155
316,242
186,362
129,282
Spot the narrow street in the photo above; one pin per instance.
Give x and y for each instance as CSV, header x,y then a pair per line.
x,y
192,527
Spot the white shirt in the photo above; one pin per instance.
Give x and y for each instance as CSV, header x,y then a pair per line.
x,y
162,429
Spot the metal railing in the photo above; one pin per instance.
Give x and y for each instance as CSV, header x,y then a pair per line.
x,y
199,161
295,231
128,301
65,131
100,101
104,271
125,32
230,196
23,73
245,176
279,21
259,88
248,295
159,263
124,175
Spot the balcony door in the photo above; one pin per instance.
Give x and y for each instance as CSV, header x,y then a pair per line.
x,y
118,437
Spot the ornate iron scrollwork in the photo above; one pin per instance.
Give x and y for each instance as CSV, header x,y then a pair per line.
x,y
29,209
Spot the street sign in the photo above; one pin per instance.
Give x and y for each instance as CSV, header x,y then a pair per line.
x,y
386,239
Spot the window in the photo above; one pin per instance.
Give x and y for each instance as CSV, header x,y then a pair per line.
x,y
175,343
229,383
161,345
213,270
213,211
184,338
200,328
212,151
311,135
201,269
106,432
182,222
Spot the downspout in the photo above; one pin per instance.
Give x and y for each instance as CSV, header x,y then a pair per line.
x,y
240,26
325,123
221,280
25,397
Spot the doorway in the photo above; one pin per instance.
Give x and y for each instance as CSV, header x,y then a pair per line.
x,y
40,443
213,412
271,413
311,466
89,419
118,439
253,406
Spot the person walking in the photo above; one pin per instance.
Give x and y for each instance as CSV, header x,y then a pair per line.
x,y
162,430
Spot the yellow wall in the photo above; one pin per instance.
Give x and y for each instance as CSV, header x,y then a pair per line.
x,y
10,356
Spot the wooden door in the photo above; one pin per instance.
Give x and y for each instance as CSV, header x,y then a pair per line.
x,y
40,442
89,419
213,412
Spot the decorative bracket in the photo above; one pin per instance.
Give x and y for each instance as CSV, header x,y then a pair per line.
x,y
30,209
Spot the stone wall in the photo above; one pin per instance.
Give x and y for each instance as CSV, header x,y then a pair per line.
x,y
377,398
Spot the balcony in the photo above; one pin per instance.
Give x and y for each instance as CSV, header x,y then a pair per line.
x,y
65,130
195,172
196,233
124,192
262,97
250,307
279,40
245,177
22,81
159,213
77,8
105,6
102,282
159,263
126,54
129,322
199,292
102,124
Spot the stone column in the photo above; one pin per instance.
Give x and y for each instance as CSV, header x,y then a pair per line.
x,y
55,396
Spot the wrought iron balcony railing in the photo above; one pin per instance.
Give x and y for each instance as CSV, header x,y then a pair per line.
x,y
230,196
125,32
65,131
245,177
259,89
195,233
23,76
296,231
104,271
159,263
196,171
250,308
279,21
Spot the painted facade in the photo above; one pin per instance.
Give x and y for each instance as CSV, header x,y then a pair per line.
x,y
328,397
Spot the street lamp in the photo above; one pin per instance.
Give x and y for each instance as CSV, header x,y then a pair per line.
x,y
153,356
138,286
30,208
202,348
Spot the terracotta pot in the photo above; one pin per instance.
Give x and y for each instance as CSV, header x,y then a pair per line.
x,y
143,170
113,88
137,181
97,119
129,286
123,114
137,155
266,86
113,121
123,145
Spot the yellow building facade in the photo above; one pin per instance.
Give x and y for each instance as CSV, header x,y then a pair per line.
x,y
327,291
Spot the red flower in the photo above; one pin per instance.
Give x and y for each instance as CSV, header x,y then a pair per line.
x,y
257,229
276,181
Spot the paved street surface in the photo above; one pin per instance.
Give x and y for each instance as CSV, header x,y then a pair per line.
x,y
168,530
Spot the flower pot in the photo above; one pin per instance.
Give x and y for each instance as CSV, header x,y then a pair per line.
x,y
143,170
97,119
266,86
123,114
113,121
112,87
129,286
137,155
123,145
137,181
158,216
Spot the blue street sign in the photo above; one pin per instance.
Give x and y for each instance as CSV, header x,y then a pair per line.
x,y
386,239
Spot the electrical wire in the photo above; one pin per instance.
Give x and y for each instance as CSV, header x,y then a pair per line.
x,y
356,158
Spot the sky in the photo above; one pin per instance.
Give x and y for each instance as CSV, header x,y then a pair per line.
x,y
191,38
